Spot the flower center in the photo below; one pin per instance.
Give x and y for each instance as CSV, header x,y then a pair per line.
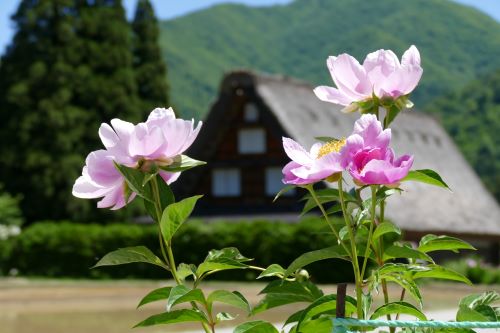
x,y
333,146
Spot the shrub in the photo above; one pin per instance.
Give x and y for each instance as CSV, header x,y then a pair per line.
x,y
476,270
66,249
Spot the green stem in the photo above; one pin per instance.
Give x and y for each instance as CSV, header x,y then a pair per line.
x,y
381,251
169,259
372,224
354,257
327,219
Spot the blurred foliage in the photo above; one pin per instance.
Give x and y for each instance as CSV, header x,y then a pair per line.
x,y
472,117
10,213
68,69
475,270
150,69
457,43
68,249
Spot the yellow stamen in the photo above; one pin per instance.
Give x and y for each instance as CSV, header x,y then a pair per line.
x,y
330,147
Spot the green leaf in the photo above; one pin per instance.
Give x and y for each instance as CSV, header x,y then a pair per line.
x,y
135,181
325,305
232,298
175,215
430,243
155,295
397,251
224,259
392,113
182,163
181,294
273,270
398,308
283,191
130,255
440,272
295,317
185,270
325,139
223,316
385,228
467,314
486,298
166,197
177,316
426,176
257,326
321,324
281,292
307,258
406,281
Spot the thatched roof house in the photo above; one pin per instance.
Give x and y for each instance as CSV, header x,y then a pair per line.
x,y
241,140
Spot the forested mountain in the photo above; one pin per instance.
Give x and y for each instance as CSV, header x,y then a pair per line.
x,y
457,43
472,117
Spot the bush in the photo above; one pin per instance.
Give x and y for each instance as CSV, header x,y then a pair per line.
x,y
476,270
10,213
66,249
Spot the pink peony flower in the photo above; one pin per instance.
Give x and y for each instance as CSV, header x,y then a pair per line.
x,y
367,155
158,141
381,75
101,179
321,162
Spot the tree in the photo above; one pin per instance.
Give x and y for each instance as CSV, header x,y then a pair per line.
x,y
150,69
68,69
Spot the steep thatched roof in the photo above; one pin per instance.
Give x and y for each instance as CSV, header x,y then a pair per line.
x,y
469,209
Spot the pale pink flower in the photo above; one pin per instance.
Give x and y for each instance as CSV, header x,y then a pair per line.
x,y
160,140
321,162
381,75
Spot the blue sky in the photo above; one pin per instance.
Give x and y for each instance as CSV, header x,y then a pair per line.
x,y
166,9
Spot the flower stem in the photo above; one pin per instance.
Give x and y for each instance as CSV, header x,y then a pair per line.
x,y
372,226
169,259
357,277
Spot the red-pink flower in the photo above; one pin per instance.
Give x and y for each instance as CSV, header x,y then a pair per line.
x,y
321,162
381,75
158,141
369,159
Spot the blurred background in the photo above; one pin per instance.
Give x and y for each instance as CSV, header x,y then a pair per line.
x,y
68,65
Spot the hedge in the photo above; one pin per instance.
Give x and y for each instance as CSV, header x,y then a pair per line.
x,y
65,249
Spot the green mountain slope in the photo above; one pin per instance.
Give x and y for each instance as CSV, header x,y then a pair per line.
x,y
457,43
472,117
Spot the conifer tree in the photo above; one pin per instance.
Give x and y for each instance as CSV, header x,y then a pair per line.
x,y
68,69
150,69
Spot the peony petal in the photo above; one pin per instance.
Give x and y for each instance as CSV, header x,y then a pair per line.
x,y
145,142
296,152
332,95
84,188
350,77
101,169
290,178
108,136
168,177
371,130
401,82
411,57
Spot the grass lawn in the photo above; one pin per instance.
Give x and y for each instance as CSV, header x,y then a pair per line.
x,y
81,306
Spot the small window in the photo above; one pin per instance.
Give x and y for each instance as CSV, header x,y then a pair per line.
x,y
226,182
251,113
252,141
274,183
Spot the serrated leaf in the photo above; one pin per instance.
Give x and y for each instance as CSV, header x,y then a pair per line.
x,y
182,163
336,251
177,316
396,251
272,270
234,298
175,215
283,292
440,272
257,326
430,243
155,295
398,308
385,228
130,255
181,294
426,176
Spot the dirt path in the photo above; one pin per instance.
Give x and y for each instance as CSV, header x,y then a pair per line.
x,y
28,306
